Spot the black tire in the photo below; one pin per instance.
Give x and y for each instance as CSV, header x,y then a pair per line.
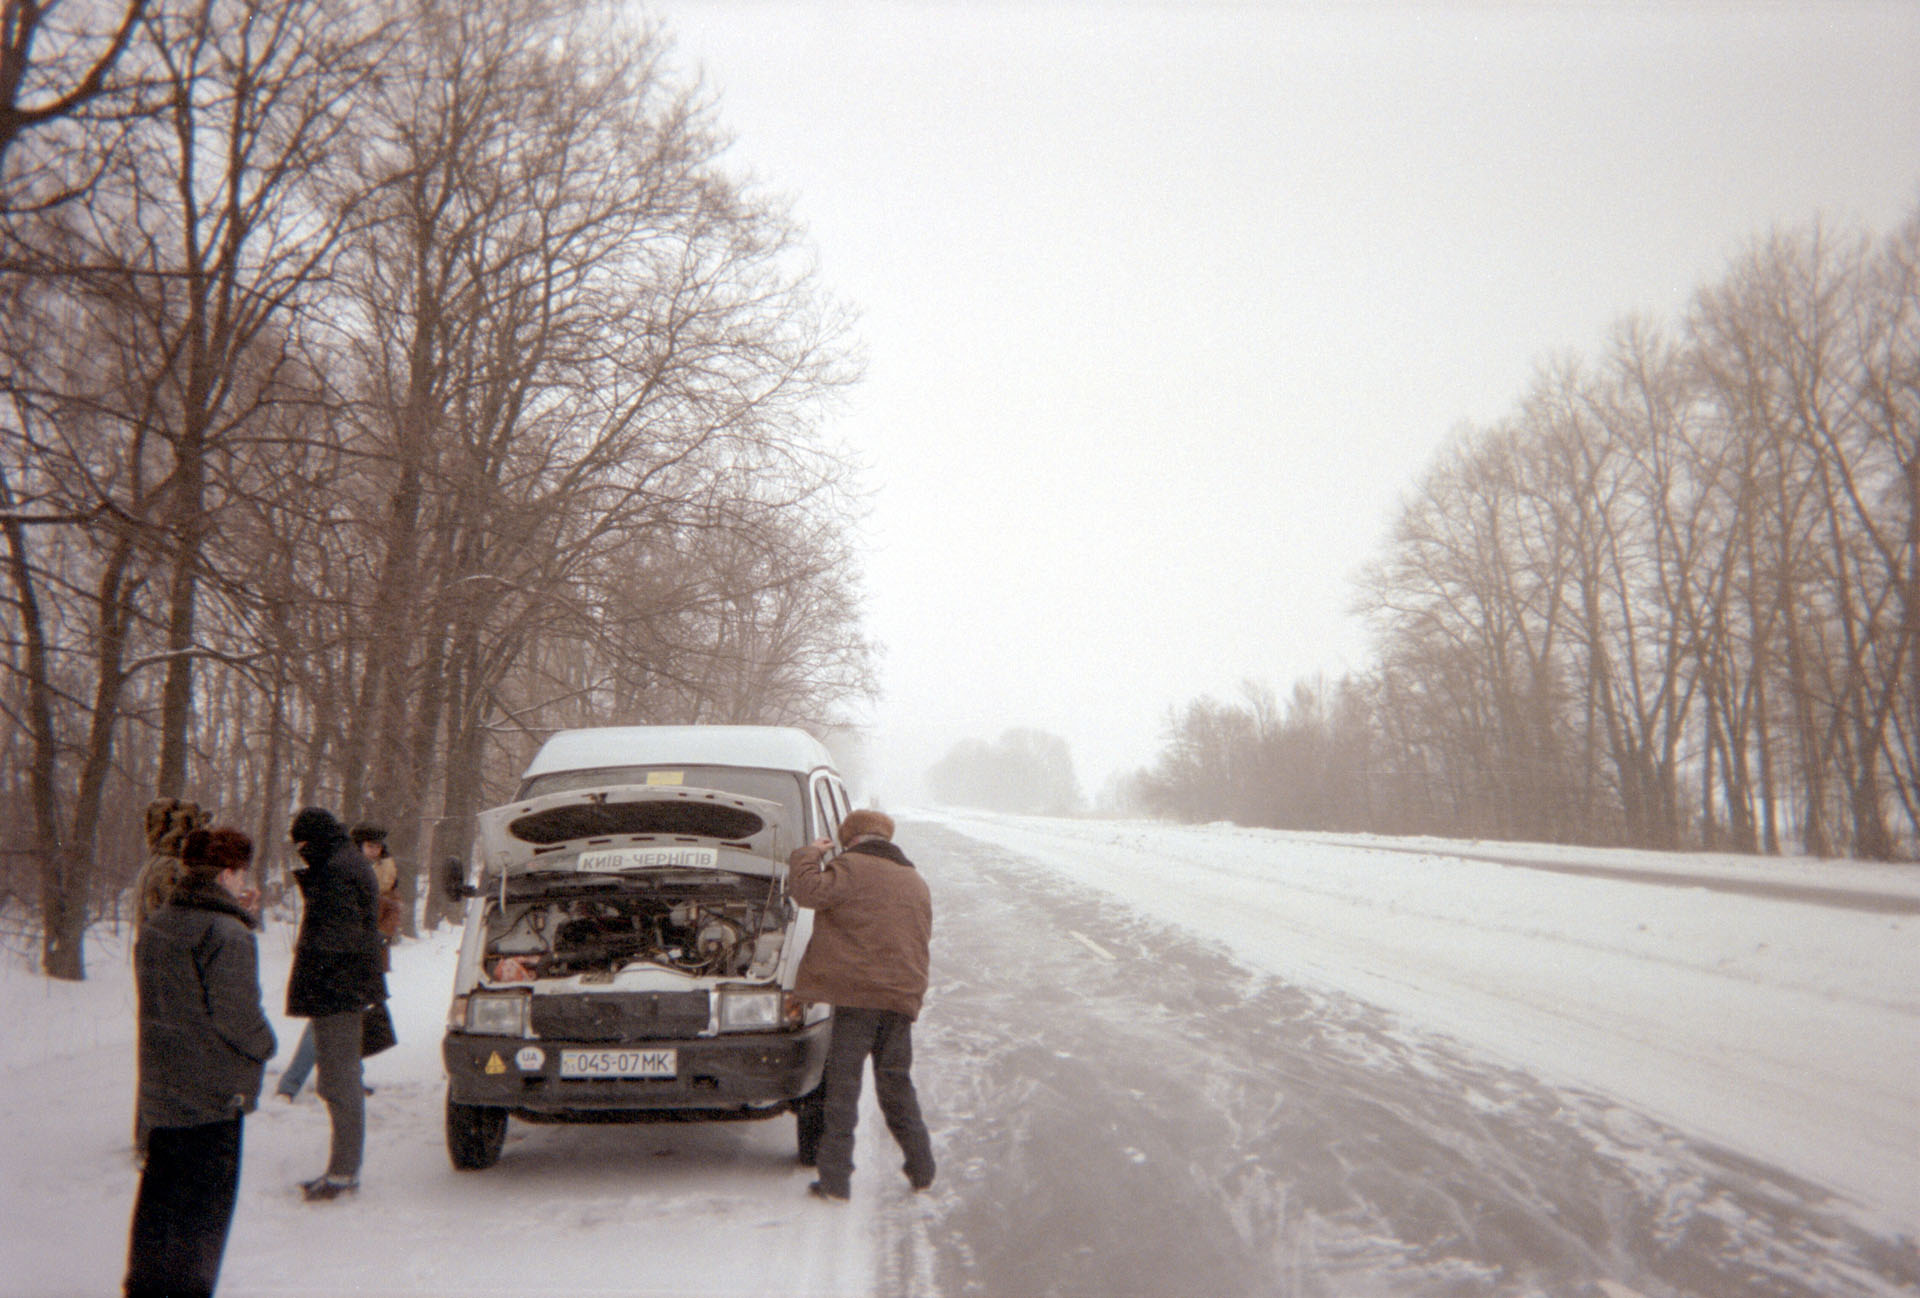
x,y
475,1135
809,1121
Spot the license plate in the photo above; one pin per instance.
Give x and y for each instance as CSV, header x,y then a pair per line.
x,y
619,1063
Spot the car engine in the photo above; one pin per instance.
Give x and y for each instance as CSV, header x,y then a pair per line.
x,y
606,932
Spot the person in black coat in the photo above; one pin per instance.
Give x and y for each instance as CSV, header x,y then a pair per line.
x,y
204,1044
337,976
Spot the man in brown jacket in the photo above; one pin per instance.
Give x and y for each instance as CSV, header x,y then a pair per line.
x,y
873,917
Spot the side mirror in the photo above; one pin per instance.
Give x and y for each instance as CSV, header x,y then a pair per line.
x,y
453,879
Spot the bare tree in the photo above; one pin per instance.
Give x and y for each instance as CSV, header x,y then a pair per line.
x,y
57,60
378,424
586,350
1786,338
229,236
1889,412
1472,597
1675,592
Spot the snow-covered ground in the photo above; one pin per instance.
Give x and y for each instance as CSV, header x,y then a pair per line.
x,y
1786,1031
663,1209
1783,1029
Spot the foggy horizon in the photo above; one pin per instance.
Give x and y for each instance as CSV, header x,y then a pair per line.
x,y
1167,308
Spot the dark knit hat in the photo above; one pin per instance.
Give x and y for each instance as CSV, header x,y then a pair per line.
x,y
865,823
368,832
314,825
209,851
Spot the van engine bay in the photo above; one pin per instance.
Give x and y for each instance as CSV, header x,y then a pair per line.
x,y
730,927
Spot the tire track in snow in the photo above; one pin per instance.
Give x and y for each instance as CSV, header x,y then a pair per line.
x,y
1160,1121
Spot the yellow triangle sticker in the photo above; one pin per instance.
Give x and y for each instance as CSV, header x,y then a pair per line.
x,y
495,1064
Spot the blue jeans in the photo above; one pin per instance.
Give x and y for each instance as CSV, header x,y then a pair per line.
x,y
300,1067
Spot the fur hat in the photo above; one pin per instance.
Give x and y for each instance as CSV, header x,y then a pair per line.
x,y
866,823
169,820
209,851
368,832
314,825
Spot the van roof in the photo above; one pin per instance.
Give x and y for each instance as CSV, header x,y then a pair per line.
x,y
778,748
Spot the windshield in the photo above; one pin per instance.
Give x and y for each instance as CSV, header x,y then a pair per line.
x,y
783,787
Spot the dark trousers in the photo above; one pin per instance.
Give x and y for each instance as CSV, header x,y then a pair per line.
x,y
337,1040
887,1036
184,1209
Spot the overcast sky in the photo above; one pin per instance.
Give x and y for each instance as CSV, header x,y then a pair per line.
x,y
1166,305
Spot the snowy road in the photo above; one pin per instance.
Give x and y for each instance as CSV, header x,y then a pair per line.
x,y
1130,1111
1156,1061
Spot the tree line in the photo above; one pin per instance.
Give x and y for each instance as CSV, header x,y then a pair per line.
x,y
1025,771
1671,600
387,383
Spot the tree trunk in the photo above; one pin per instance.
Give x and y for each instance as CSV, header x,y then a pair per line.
x,y
189,534
1813,766
416,875
61,954
273,794
96,766
453,834
383,692
1871,840
176,697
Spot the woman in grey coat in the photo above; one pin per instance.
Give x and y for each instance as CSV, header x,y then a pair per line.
x,y
204,1044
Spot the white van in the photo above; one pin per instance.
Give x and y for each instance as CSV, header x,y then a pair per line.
x,y
629,945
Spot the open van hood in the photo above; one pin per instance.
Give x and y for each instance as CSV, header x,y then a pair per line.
x,y
632,827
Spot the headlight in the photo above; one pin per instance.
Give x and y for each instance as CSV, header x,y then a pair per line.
x,y
755,1009
497,1016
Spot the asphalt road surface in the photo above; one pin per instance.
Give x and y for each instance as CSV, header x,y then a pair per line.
x,y
1120,1109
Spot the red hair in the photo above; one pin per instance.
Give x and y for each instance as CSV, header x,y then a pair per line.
x,y
209,851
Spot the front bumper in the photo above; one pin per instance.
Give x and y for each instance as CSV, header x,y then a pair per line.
x,y
741,1073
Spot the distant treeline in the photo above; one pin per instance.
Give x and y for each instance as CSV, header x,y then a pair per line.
x,y
1025,771
385,385
1673,600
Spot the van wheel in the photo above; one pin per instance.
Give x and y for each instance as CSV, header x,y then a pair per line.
x,y
809,1121
475,1135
